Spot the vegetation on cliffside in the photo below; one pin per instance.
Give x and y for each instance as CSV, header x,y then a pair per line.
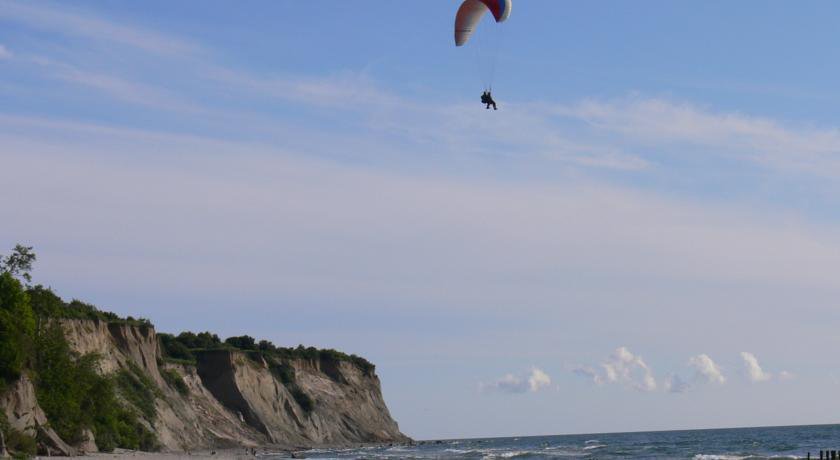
x,y
73,395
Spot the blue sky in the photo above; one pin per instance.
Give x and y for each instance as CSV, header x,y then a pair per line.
x,y
644,236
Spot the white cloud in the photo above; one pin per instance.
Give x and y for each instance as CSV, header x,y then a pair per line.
x,y
706,369
754,370
535,380
5,53
785,375
658,123
675,384
621,367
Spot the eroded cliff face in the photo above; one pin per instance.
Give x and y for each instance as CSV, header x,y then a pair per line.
x,y
346,403
229,398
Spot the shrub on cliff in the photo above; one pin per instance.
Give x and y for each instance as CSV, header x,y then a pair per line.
x,y
136,387
304,400
242,342
283,371
200,341
174,379
174,349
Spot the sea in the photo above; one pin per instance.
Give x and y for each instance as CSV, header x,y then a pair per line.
x,y
722,444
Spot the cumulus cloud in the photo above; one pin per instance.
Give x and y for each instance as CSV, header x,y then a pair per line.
x,y
754,370
621,367
533,381
5,53
706,369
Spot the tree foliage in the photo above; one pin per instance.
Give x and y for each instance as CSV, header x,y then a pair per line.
x,y
19,263
17,327
243,342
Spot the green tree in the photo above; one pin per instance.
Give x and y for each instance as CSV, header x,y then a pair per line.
x,y
17,327
19,263
62,383
173,348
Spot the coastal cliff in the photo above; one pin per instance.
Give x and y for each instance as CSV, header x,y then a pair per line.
x,y
226,394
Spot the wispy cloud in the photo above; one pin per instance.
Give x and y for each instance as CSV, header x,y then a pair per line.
x,y
659,123
348,90
64,19
531,382
706,369
621,367
5,53
118,88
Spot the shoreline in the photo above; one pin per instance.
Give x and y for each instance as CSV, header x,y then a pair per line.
x,y
239,453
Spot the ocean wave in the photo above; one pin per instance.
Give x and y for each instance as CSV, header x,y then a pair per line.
x,y
594,446
510,454
743,457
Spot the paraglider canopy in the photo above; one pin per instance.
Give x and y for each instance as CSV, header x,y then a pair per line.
x,y
471,12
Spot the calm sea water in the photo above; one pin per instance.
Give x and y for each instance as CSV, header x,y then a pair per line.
x,y
737,443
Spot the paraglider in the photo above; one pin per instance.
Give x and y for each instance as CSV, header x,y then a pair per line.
x,y
471,12
486,98
466,20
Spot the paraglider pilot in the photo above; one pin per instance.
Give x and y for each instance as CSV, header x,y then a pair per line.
x,y
486,98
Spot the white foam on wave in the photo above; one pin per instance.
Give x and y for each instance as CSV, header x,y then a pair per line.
x,y
511,454
592,441
594,446
718,457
